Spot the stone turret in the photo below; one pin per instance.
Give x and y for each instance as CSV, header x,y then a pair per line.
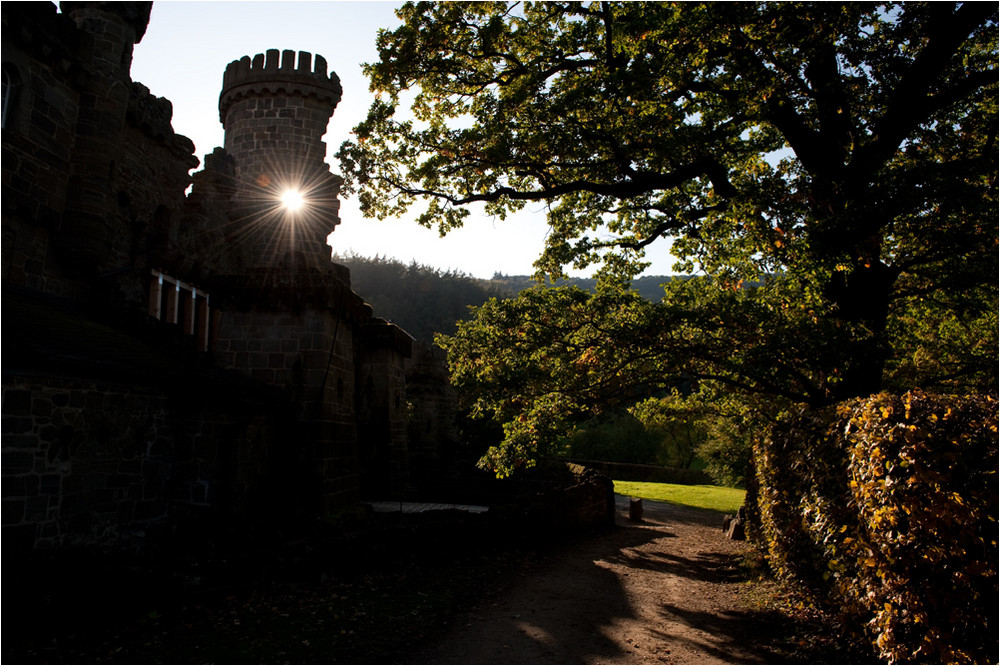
x,y
87,231
275,112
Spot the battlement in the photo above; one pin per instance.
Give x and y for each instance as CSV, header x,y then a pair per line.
x,y
277,71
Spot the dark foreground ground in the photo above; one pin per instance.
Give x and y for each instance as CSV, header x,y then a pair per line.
x,y
415,590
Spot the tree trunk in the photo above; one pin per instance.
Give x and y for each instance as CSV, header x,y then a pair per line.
x,y
862,298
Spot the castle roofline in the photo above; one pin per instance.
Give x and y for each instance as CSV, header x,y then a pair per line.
x,y
277,71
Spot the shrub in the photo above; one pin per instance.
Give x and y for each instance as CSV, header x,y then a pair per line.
x,y
802,495
923,481
888,507
727,460
621,438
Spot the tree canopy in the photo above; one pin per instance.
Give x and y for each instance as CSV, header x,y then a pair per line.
x,y
841,155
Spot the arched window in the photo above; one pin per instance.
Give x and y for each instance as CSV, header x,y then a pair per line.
x,y
8,91
10,84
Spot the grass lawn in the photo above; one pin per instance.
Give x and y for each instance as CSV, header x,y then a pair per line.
x,y
714,498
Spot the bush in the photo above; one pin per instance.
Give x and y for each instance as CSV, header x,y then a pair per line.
x,y
621,438
924,484
727,460
888,507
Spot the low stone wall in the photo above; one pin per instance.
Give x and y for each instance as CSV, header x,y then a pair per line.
x,y
560,497
649,473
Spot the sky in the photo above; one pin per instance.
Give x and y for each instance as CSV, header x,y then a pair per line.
x,y
185,51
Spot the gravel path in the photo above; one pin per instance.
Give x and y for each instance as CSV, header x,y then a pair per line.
x,y
661,591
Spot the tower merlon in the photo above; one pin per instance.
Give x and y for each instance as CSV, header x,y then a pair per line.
x,y
276,71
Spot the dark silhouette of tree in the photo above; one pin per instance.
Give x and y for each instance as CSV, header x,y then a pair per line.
x,y
850,148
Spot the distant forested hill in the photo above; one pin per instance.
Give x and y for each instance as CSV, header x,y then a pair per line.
x,y
423,300
420,299
649,286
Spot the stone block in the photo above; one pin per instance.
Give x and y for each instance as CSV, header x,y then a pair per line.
x,y
20,486
95,401
263,375
17,425
50,484
20,442
36,509
13,511
17,403
160,447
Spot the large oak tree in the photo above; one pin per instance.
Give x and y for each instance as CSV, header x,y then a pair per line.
x,y
844,156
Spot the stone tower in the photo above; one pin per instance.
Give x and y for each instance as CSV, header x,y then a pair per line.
x,y
290,318
88,233
275,109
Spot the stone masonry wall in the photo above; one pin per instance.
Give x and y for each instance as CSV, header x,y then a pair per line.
x,y
93,173
383,410
38,137
310,355
275,112
433,429
272,105
92,223
102,464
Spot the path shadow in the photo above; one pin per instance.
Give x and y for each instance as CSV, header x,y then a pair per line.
x,y
573,609
731,632
551,621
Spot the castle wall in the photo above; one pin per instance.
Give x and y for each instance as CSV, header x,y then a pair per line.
x,y
91,224
310,354
275,109
204,367
151,174
39,131
383,410
90,463
432,431
93,174
275,105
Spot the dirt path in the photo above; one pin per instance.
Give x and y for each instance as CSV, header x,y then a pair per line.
x,y
661,591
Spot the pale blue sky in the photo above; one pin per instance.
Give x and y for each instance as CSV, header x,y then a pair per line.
x,y
186,49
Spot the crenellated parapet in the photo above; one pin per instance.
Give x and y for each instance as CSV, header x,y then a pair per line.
x,y
275,109
278,72
134,14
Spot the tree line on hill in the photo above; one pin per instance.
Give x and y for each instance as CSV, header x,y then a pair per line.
x,y
424,300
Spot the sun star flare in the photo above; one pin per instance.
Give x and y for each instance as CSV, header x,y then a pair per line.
x,y
292,200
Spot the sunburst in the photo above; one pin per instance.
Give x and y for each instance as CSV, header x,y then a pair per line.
x,y
292,200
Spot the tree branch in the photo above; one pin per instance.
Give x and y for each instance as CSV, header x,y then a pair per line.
x,y
641,183
912,101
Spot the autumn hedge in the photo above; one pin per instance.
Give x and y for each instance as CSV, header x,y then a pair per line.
x,y
887,507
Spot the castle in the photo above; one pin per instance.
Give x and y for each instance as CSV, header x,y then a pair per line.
x,y
181,356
